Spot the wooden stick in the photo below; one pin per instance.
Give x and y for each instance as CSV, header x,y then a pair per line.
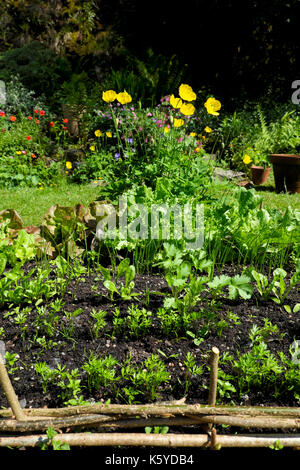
x,y
9,392
154,440
132,423
265,422
56,423
213,379
159,410
213,439
117,422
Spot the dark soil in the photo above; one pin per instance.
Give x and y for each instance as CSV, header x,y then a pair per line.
x,y
172,350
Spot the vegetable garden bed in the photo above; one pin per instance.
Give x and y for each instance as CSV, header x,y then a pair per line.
x,y
162,416
87,359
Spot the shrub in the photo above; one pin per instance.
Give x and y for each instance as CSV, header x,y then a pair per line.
x,y
38,67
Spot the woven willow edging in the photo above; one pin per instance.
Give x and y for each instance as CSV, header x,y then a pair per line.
x,y
100,417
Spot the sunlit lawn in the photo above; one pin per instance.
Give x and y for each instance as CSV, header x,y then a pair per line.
x,y
32,203
271,200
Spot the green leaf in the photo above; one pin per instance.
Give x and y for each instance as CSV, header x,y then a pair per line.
x,y
170,302
3,261
123,266
184,270
129,274
296,309
240,285
105,273
219,282
110,286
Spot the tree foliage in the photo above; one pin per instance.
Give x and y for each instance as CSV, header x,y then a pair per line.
x,y
229,46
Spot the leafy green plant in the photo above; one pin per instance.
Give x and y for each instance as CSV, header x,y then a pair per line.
x,y
282,135
67,323
157,429
258,334
225,386
138,321
170,322
20,318
45,373
277,287
16,287
46,321
238,286
192,370
124,270
56,444
257,369
153,375
98,322
11,359
100,371
144,380
69,383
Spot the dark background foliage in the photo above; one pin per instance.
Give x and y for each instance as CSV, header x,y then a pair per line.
x,y
233,49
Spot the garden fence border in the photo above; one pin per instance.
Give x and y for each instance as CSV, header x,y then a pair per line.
x,y
112,417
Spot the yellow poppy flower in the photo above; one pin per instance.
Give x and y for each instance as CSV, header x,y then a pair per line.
x,y
18,152
246,159
167,129
193,134
92,148
212,106
186,93
175,102
208,129
98,133
124,97
108,134
178,122
187,109
109,96
69,165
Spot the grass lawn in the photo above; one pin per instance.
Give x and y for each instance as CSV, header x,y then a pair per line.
x,y
271,200
33,203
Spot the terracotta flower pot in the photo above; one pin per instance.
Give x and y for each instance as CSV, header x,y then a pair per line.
x,y
259,174
286,172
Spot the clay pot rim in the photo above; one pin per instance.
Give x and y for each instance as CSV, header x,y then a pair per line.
x,y
285,159
293,155
259,167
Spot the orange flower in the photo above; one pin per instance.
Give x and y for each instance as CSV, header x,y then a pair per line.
x,y
42,112
37,121
13,118
30,118
66,120
28,137
51,124
2,113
